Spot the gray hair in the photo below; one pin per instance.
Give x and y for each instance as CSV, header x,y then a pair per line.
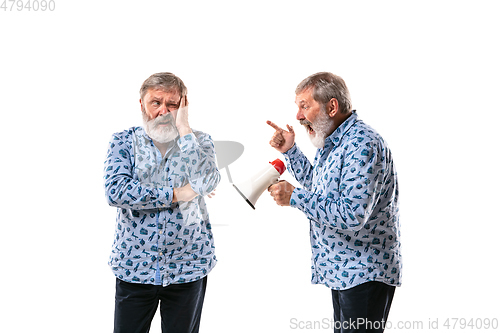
x,y
326,86
164,81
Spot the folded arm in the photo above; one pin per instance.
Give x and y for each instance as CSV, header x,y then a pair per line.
x,y
120,187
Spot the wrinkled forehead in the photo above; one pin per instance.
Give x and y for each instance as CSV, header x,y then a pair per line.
x,y
163,94
305,96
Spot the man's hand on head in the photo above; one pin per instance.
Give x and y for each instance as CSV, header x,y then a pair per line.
x,y
181,121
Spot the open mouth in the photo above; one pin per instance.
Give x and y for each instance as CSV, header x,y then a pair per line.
x,y
309,129
308,126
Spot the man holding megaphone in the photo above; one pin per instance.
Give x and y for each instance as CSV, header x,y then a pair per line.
x,y
350,196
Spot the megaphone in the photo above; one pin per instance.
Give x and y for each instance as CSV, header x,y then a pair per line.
x,y
255,186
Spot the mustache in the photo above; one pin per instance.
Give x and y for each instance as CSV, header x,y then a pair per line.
x,y
305,122
163,120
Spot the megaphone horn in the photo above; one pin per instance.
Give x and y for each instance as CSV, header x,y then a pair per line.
x,y
252,189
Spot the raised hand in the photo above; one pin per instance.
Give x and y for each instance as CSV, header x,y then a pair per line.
x,y
181,120
282,140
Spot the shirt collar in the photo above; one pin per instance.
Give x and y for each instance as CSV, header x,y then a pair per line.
x,y
337,135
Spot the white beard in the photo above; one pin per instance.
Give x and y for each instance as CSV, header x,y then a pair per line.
x,y
161,134
321,126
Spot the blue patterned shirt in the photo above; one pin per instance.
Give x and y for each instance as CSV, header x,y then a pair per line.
x,y
157,241
350,196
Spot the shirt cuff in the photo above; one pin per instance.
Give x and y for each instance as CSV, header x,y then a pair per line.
x,y
292,151
165,196
289,156
297,198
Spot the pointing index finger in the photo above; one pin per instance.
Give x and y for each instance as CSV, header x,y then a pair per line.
x,y
273,125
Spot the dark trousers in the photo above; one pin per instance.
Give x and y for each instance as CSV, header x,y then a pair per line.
x,y
361,309
180,306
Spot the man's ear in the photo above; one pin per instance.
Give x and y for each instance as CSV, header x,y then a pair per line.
x,y
333,107
143,108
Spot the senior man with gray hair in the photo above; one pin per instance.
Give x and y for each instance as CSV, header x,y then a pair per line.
x,y
157,176
350,196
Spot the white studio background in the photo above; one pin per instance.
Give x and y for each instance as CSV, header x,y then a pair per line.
x,y
424,74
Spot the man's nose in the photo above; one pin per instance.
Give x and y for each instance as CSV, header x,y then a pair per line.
x,y
163,110
300,115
